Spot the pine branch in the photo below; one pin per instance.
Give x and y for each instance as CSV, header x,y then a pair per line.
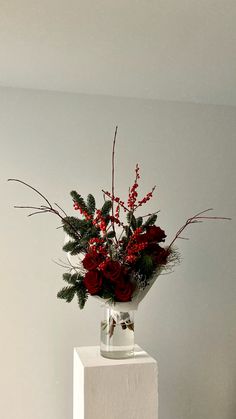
x,y
74,227
82,295
106,208
70,246
67,293
145,265
91,204
67,277
78,198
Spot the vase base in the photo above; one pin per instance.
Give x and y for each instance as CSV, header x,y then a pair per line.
x,y
117,354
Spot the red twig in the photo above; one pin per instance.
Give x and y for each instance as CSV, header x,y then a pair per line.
x,y
113,178
197,218
42,209
31,187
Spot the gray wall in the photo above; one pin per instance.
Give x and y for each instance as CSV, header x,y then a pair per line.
x,y
59,141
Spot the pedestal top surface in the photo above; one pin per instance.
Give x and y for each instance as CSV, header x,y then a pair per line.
x,y
90,357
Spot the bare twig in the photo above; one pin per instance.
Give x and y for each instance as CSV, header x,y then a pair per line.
x,y
113,179
62,210
197,218
31,187
42,209
148,215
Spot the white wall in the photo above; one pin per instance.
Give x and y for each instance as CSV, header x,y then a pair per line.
x,y
58,142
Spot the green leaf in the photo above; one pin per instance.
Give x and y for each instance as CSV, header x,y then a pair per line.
x,y
150,221
139,222
91,204
131,220
128,231
106,208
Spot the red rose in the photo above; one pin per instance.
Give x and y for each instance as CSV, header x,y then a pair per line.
x,y
155,234
124,291
91,261
93,282
112,270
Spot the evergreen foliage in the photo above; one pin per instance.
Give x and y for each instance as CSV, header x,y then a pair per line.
x,y
78,198
81,231
67,277
91,204
67,293
71,226
70,246
79,248
106,208
145,265
82,294
73,279
77,288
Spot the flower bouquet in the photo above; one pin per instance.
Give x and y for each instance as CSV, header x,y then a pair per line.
x,y
113,255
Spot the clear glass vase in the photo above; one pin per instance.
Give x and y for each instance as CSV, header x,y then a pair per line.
x,y
117,334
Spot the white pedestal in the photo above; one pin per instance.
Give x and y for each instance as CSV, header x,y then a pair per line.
x,y
114,389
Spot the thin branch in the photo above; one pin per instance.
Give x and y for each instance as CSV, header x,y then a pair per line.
x,y
31,187
58,206
64,265
197,218
30,207
148,215
113,179
38,212
43,208
113,200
